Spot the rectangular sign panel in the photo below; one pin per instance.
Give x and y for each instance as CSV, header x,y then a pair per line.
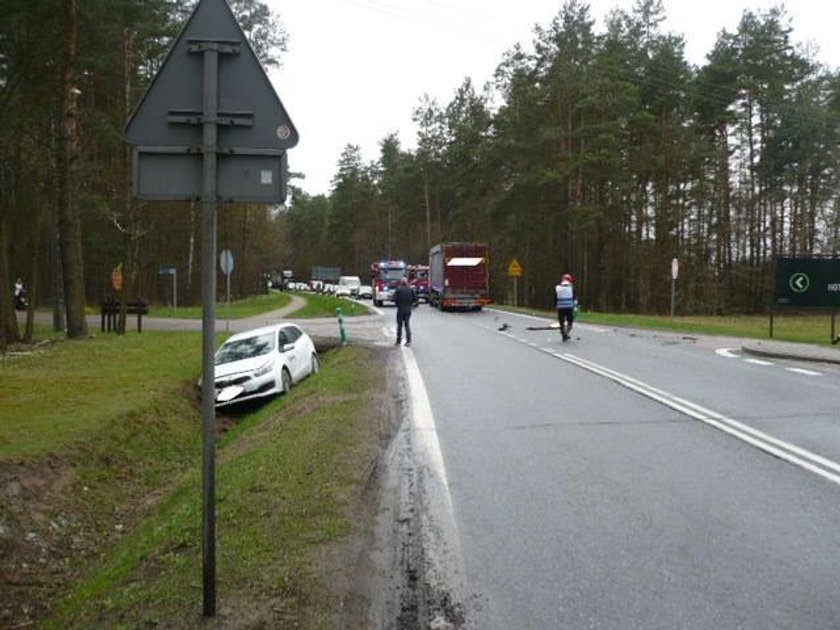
x,y
162,174
807,282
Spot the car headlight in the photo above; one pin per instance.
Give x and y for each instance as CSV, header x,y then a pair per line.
x,y
263,369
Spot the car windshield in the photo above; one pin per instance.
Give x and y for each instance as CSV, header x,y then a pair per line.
x,y
245,348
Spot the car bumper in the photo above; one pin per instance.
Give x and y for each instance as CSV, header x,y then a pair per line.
x,y
251,388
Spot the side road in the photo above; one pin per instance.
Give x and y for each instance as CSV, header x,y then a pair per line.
x,y
362,327
788,350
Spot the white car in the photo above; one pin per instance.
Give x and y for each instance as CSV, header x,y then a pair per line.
x,y
366,292
342,290
263,362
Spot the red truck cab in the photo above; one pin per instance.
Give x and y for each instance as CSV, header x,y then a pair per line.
x,y
418,279
385,277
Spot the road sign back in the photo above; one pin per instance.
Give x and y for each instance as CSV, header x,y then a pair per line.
x,y
253,128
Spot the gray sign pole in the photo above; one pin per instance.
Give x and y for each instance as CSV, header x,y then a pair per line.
x,y
214,131
208,320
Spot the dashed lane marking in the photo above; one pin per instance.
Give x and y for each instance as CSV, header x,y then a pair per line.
x,y
729,353
804,371
759,362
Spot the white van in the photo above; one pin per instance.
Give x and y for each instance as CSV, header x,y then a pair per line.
x,y
352,283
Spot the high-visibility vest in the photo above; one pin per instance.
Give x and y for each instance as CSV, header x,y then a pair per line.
x,y
565,293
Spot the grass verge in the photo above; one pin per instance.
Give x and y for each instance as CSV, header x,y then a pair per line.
x,y
325,306
247,307
105,524
316,306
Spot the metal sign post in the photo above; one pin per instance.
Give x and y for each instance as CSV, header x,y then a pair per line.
x,y
208,320
226,263
675,272
515,271
186,147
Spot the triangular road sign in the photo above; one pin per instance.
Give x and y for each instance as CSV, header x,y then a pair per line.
x,y
250,113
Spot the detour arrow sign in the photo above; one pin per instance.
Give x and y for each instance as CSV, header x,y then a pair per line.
x,y
807,282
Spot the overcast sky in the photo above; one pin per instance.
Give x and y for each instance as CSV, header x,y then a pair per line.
x,y
356,69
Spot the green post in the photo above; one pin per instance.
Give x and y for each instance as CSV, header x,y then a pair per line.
x,y
341,330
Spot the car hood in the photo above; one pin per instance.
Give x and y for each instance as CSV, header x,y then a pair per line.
x,y
244,365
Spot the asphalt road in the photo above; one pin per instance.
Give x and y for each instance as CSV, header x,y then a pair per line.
x,y
631,480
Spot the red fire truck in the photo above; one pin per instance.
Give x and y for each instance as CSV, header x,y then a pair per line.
x,y
418,279
385,276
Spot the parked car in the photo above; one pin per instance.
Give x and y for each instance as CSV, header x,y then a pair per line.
x,y
352,283
263,362
366,292
342,290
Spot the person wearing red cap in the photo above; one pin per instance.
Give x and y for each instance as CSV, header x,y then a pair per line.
x,y
565,298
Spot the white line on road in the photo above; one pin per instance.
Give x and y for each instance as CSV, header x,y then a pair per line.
x,y
441,542
783,450
759,362
804,371
729,353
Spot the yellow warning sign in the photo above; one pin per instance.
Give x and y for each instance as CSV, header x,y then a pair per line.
x,y
514,269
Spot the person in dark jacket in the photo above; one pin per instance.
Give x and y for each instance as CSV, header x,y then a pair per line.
x,y
405,300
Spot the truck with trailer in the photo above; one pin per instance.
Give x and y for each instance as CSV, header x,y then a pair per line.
x,y
385,277
459,276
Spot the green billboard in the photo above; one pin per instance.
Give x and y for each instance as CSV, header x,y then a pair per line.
x,y
809,282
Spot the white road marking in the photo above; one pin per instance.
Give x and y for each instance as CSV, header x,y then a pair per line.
x,y
445,559
729,353
784,450
790,453
759,362
804,371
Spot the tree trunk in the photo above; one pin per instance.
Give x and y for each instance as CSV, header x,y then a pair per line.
x,y
69,227
8,319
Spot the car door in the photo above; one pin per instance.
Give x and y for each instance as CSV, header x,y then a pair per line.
x,y
287,357
302,351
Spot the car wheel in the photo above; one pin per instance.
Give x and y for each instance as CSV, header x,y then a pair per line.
x,y
315,366
287,381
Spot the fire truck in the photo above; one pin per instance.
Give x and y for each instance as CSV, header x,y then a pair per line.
x,y
418,279
385,277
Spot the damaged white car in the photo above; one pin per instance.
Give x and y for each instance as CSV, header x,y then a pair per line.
x,y
263,362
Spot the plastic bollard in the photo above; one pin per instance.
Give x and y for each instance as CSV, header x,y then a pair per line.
x,y
342,333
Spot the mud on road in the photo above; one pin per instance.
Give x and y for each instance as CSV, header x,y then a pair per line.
x,y
413,555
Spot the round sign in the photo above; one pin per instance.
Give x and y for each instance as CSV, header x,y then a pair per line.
x,y
799,282
226,261
283,132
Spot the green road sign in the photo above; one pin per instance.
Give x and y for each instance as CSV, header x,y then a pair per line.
x,y
807,282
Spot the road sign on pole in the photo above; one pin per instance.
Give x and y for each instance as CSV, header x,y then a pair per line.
x,y
210,126
226,263
675,272
253,130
